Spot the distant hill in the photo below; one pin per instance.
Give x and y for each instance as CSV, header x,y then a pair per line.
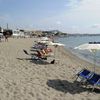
x,y
54,32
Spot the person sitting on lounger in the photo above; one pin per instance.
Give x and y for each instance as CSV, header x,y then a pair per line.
x,y
41,54
47,50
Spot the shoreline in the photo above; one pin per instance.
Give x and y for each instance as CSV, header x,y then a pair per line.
x,y
82,54
73,56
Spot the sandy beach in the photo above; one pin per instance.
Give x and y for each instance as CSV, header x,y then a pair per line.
x,y
21,78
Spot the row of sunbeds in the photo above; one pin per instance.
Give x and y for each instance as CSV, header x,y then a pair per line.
x,y
41,51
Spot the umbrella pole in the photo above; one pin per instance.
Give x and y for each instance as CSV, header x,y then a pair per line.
x,y
55,51
94,61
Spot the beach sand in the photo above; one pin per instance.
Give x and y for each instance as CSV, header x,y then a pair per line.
x,y
21,78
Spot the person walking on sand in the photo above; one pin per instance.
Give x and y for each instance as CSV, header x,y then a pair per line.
x,y
0,38
6,38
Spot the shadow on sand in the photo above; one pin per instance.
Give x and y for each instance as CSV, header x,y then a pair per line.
x,y
41,62
36,61
34,58
65,86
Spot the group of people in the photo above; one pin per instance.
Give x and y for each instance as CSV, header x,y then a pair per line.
x,y
43,51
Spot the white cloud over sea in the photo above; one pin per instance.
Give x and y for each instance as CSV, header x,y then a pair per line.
x,y
78,13
84,15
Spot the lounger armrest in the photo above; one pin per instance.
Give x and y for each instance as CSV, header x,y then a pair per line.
x,y
79,71
97,83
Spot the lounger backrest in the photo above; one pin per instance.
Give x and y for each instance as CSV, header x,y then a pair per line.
x,y
39,53
84,72
94,78
25,52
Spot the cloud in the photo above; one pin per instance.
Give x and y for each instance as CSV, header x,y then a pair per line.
x,y
3,17
85,14
95,26
58,22
72,3
82,14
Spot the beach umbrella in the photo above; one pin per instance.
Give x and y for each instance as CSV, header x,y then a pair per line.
x,y
92,47
45,42
56,44
45,39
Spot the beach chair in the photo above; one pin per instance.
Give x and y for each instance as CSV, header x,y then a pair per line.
x,y
38,56
39,46
84,74
25,52
94,81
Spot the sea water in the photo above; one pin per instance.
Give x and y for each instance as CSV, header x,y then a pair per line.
x,y
73,41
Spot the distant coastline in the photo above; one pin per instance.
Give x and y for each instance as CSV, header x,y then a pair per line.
x,y
82,34
76,35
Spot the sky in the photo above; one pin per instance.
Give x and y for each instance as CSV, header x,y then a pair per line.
x,y
71,16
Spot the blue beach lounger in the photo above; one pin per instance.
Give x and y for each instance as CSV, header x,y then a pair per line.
x,y
94,80
90,78
84,74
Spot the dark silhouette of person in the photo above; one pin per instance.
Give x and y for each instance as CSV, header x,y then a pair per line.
x,y
6,38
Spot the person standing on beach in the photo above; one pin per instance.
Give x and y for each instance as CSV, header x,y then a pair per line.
x,y
0,38
6,38
6,34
